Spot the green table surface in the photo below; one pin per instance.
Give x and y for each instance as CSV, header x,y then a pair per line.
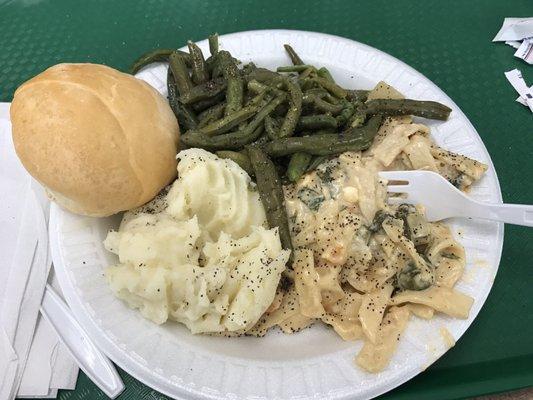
x,y
449,42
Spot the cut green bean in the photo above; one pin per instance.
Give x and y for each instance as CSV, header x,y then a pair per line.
x,y
271,194
186,118
318,121
157,55
264,76
272,127
298,165
367,131
357,95
294,68
425,109
315,162
294,112
258,87
230,121
261,141
348,108
211,114
295,58
324,73
198,67
309,72
319,132
323,94
213,44
202,105
235,90
238,157
233,140
324,106
265,111
358,118
248,68
204,91
331,87
358,139
180,72
228,141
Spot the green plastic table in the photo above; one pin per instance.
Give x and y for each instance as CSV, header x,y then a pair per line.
x,y
449,42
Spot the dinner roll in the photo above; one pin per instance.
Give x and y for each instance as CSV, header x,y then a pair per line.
x,y
99,140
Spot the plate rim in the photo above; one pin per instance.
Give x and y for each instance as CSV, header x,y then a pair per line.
x,y
145,375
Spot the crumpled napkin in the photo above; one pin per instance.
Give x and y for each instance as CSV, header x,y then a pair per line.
x,y
25,269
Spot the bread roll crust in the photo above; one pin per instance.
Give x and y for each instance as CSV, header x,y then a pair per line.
x,y
99,140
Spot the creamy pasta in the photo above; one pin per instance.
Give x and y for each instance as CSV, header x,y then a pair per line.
x,y
362,265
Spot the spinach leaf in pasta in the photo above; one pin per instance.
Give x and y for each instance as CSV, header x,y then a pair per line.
x,y
414,278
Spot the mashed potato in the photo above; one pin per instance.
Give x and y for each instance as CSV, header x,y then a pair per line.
x,y
201,254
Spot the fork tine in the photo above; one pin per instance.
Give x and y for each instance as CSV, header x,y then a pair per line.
x,y
396,200
395,175
397,188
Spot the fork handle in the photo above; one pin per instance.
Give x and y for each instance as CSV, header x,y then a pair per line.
x,y
517,214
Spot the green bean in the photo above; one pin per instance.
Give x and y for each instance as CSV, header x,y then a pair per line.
x,y
181,75
324,73
264,76
308,98
326,107
271,127
367,131
154,56
264,139
199,70
295,58
298,165
319,132
348,108
205,104
358,139
204,91
425,109
228,141
211,114
323,94
233,140
308,72
258,87
248,68
235,90
319,121
306,84
213,66
213,44
358,118
266,111
294,68
238,157
294,112
331,87
186,118
232,120
315,162
271,194
357,95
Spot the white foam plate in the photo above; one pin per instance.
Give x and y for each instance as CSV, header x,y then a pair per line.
x,y
314,363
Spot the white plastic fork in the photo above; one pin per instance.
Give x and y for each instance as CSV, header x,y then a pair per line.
x,y
442,200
